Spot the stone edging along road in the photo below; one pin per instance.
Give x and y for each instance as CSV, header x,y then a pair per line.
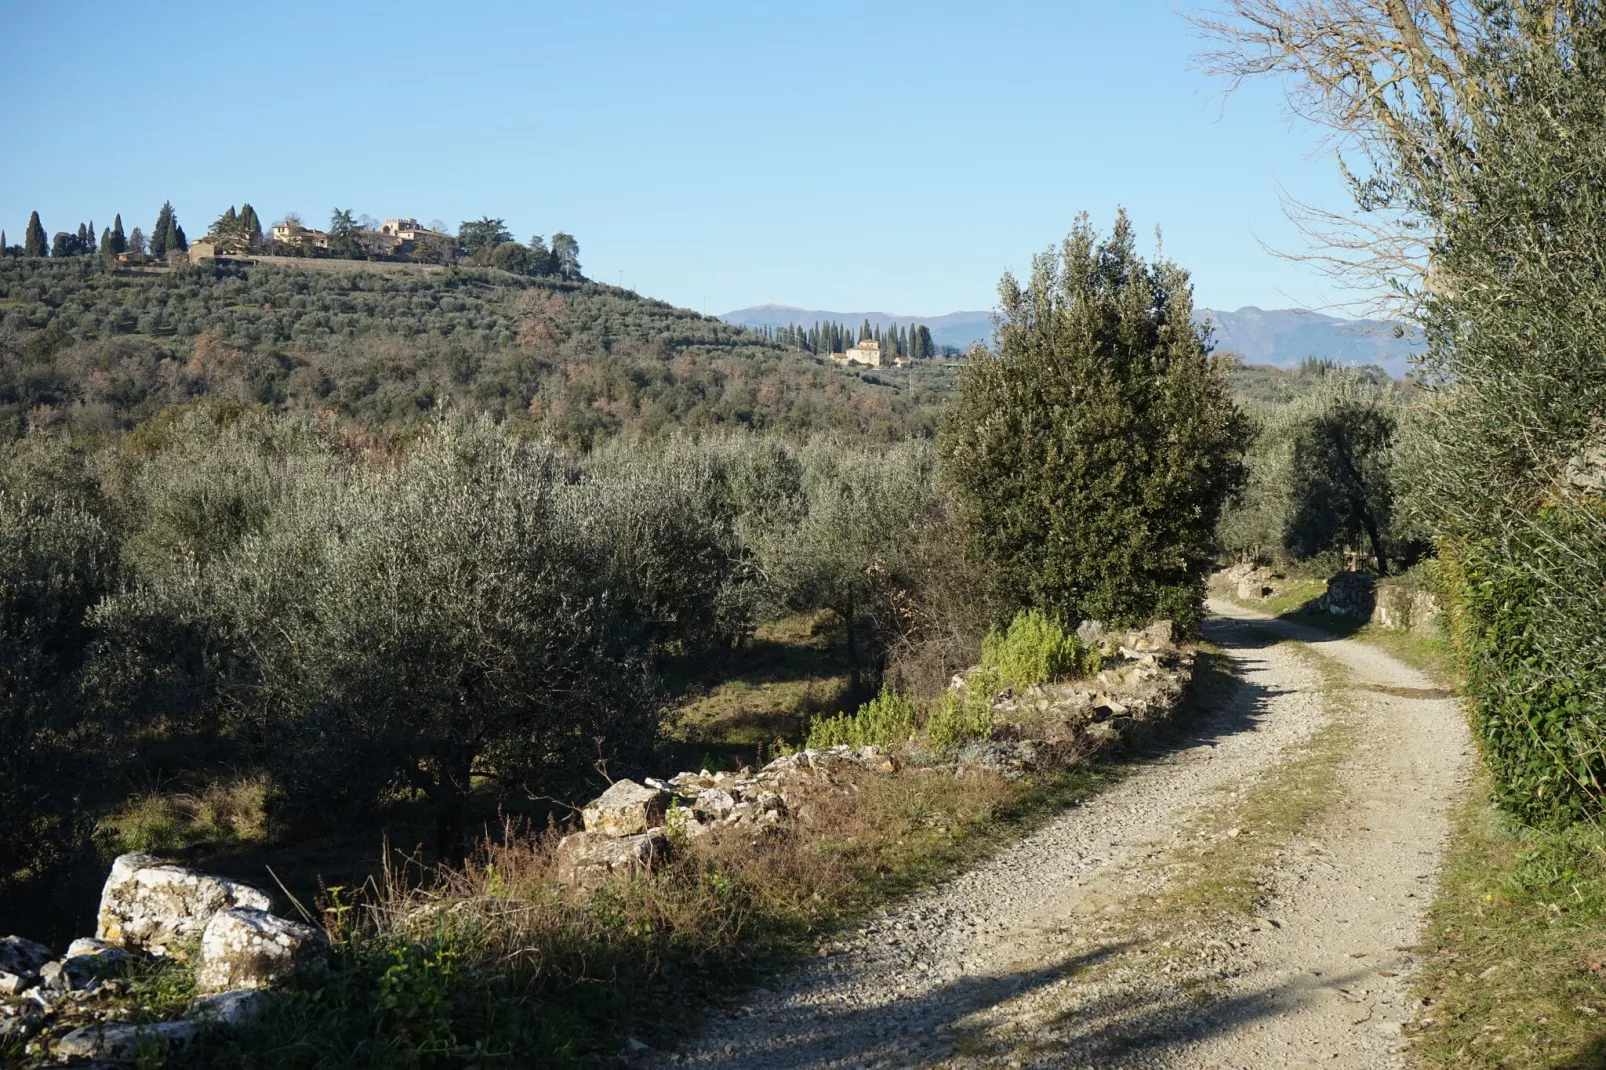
x,y
1068,948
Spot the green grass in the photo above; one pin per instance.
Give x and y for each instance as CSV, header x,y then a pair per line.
x,y
1515,972
1224,877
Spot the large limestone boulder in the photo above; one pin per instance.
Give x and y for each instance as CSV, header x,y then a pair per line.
x,y
590,859
244,947
124,1042
626,809
21,960
151,905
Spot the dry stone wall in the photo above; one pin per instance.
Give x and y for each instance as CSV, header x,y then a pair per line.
x,y
632,826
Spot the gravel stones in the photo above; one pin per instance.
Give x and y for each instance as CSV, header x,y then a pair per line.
x,y
152,906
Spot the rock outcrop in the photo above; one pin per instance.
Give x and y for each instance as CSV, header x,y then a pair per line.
x,y
591,859
244,947
153,906
626,809
632,826
1364,596
629,828
68,1010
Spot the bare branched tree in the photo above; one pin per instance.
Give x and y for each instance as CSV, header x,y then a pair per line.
x,y
1407,94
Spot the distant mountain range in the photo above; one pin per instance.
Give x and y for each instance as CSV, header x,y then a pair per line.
x,y
1283,337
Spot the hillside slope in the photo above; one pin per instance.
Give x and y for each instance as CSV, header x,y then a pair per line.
x,y
101,347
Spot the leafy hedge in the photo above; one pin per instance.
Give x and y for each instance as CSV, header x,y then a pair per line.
x,y
1526,615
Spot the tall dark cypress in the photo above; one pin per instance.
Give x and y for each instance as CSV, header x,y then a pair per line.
x,y
108,248
119,239
252,226
35,243
161,231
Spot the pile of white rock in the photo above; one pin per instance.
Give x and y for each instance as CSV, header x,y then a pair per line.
x,y
629,828
239,950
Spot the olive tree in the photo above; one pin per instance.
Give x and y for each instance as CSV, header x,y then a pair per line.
x,y
58,558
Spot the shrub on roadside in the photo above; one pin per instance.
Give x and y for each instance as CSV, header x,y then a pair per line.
x,y
1094,452
1524,618
959,717
888,720
1035,649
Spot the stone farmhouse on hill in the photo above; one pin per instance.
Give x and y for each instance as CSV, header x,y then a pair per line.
x,y
284,232
868,352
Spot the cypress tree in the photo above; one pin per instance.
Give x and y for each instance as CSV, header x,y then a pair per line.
x,y
119,241
107,247
90,244
176,238
252,227
864,329
2,243
34,242
160,232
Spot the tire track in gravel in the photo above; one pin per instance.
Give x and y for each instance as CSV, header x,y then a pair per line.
x,y
898,992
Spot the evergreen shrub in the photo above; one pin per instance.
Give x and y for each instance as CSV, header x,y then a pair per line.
x,y
1525,618
887,720
1036,648
963,716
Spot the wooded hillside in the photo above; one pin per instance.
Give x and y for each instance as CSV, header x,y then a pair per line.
x,y
99,347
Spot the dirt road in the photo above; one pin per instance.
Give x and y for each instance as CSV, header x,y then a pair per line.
x,y
1248,897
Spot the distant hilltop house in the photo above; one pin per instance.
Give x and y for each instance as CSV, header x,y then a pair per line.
x,y
291,234
868,352
394,236
407,230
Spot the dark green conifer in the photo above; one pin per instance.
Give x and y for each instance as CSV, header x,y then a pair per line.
x,y
34,243
119,240
107,249
251,226
161,231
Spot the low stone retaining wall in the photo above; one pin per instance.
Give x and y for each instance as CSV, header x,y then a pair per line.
x,y
632,826
1393,605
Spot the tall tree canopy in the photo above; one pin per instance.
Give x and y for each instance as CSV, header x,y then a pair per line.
x,y
484,233
34,242
1094,452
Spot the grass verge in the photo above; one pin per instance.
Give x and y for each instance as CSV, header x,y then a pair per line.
x,y
1515,972
1234,844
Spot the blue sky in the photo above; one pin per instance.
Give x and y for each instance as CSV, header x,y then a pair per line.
x,y
887,156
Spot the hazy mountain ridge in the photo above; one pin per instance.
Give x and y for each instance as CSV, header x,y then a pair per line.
x,y
1282,337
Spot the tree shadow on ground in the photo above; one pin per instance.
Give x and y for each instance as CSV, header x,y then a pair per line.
x,y
1099,1024
1221,704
